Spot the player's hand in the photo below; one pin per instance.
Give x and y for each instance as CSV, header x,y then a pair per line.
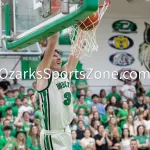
x,y
54,37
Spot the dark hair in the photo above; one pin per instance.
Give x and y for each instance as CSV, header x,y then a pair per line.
x,y
133,140
1,98
138,129
80,121
100,93
139,95
9,108
94,95
113,86
25,113
86,130
81,96
16,90
10,91
7,128
128,132
99,126
42,56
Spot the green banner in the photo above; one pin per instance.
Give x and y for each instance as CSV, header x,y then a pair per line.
x,y
28,67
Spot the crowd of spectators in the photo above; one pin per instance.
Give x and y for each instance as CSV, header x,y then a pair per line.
x,y
104,121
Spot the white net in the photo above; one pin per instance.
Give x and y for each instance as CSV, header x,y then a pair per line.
x,y
83,35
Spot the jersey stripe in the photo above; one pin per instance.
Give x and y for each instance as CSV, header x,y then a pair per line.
x,y
48,103
43,110
45,143
46,114
51,142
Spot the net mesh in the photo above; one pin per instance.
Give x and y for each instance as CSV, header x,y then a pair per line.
x,y
83,34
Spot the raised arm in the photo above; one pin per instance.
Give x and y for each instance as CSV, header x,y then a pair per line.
x,y
46,61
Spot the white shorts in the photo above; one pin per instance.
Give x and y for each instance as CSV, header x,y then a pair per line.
x,y
56,140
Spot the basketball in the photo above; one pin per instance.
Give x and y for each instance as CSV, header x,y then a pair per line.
x,y
89,23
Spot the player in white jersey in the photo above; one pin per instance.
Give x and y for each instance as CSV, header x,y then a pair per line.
x,y
55,98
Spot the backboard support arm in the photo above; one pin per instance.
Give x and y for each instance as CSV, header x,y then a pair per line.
x,y
65,21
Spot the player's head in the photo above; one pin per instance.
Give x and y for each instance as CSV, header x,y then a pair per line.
x,y
56,60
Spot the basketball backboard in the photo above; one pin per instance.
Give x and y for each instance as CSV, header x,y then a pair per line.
x,y
29,21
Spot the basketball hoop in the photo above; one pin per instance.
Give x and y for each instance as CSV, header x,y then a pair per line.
x,y
83,43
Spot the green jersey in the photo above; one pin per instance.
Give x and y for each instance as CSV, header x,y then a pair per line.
x,y
3,110
141,139
32,146
10,101
4,142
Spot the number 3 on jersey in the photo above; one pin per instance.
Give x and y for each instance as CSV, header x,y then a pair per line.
x,y
67,97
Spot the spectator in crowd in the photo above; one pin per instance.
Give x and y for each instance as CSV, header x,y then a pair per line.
x,y
88,98
21,92
123,114
24,122
100,107
2,92
115,139
140,120
93,125
4,83
15,84
15,93
87,142
130,125
38,114
126,138
82,104
6,142
25,107
139,89
113,124
34,84
10,100
6,122
20,143
9,115
106,117
114,93
113,102
75,143
101,139
147,101
131,107
2,107
80,130
33,140
140,103
16,107
102,93
128,91
93,109
142,139
81,83
133,144
85,118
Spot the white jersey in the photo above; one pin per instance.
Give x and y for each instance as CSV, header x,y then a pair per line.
x,y
56,104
